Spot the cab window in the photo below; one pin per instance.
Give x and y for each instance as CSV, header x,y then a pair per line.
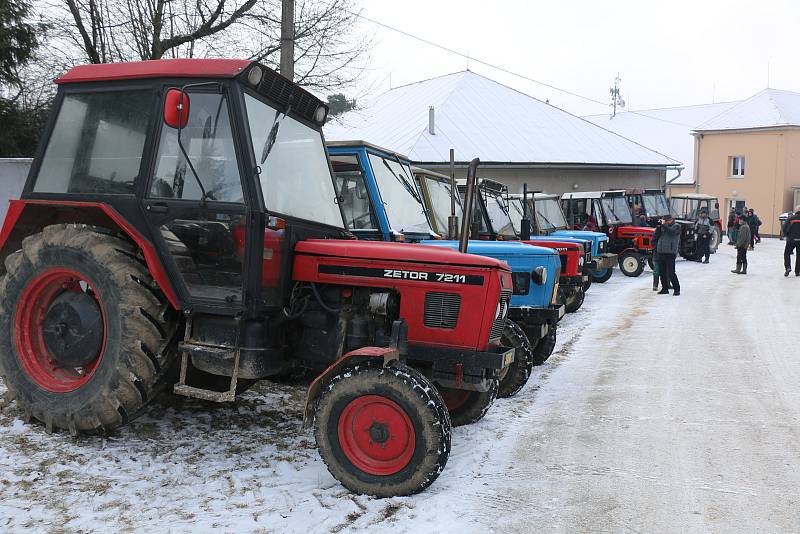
x,y
97,143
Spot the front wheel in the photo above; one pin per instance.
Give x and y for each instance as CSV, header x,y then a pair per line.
x,y
575,302
631,264
382,431
467,407
544,348
515,376
716,239
587,284
601,276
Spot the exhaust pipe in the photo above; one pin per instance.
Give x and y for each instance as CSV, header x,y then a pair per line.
x,y
469,201
525,224
452,220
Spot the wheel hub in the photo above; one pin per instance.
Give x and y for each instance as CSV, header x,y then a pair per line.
x,y
376,435
73,329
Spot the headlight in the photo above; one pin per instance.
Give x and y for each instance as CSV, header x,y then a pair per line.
x,y
321,114
539,275
580,262
255,75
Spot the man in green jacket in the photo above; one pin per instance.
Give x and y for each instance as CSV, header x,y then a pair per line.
x,y
742,243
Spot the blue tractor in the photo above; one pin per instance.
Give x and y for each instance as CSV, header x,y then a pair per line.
x,y
547,218
381,201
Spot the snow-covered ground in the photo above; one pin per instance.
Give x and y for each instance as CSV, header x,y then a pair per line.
x,y
655,414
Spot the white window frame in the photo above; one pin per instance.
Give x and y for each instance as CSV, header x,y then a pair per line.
x,y
734,170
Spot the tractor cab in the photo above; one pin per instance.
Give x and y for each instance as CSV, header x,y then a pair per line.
x,y
181,228
647,205
686,208
426,207
547,219
608,212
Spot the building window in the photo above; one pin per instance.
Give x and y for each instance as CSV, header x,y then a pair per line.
x,y
736,166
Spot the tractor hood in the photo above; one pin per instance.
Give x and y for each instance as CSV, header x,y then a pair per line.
x,y
581,234
406,252
641,230
495,248
556,243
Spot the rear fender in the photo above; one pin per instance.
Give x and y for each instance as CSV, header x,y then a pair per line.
x,y
28,217
365,355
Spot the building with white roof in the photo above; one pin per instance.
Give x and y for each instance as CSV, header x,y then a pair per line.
x,y
518,138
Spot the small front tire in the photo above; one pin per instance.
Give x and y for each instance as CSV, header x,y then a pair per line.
x,y
574,303
631,264
544,348
382,431
601,276
514,377
467,407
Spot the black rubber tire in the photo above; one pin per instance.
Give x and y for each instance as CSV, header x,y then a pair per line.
x,y
516,375
587,284
474,407
574,304
639,264
139,329
544,348
422,404
604,278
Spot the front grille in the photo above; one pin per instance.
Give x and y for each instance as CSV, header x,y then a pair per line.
x,y
587,257
441,310
500,321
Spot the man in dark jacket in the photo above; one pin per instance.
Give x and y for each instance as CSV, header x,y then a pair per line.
x,y
667,249
753,222
791,229
742,244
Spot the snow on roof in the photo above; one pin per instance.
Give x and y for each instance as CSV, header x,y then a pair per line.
x,y
667,130
480,117
768,109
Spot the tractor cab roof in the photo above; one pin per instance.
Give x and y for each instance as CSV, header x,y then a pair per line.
x,y
694,196
357,143
161,68
593,194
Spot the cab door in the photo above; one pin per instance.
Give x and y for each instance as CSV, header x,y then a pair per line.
x,y
196,205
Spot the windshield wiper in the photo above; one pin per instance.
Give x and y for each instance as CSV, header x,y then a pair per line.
x,y
273,134
402,181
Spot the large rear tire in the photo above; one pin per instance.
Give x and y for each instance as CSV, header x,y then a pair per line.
x,y
382,431
514,377
88,331
544,348
467,407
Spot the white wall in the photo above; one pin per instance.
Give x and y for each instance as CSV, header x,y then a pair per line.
x,y
13,173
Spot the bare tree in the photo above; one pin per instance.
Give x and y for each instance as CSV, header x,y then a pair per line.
x,y
329,54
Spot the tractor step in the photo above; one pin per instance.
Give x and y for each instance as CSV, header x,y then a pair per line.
x,y
201,349
203,394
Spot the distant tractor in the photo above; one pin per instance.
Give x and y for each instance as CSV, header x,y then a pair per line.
x,y
651,205
687,207
180,229
608,212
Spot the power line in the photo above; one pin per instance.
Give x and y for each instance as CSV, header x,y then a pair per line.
x,y
502,69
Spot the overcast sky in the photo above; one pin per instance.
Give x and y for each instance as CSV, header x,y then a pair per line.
x,y
667,53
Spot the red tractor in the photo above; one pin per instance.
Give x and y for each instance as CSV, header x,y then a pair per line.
x,y
608,212
179,228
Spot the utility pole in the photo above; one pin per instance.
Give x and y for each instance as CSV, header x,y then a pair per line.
x,y
287,39
616,99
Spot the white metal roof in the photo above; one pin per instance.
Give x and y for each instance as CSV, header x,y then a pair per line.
x,y
480,117
667,130
770,108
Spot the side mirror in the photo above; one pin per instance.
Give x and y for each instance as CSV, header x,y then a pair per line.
x,y
176,109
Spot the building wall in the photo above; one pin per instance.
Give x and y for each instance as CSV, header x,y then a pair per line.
x,y
13,173
560,180
772,165
680,189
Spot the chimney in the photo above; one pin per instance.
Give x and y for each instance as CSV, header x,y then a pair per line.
x,y
431,121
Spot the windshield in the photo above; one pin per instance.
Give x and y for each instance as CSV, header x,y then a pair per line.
x,y
353,195
616,210
295,176
439,210
655,204
515,212
404,211
689,208
549,215
498,214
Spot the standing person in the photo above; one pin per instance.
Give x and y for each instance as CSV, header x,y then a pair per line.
x,y
742,244
731,226
656,270
702,229
667,249
791,229
754,222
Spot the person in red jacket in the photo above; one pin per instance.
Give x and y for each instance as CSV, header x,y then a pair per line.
x,y
791,229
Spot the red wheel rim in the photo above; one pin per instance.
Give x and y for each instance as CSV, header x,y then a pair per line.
x,y
35,357
376,435
454,398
